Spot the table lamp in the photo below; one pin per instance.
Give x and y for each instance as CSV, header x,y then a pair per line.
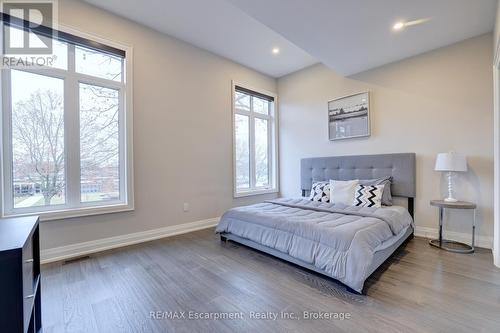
x,y
450,162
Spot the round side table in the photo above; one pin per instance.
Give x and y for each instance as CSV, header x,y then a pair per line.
x,y
450,245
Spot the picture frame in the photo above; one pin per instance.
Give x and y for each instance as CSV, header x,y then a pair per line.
x,y
349,117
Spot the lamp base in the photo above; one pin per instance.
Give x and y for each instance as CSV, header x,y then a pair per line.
x,y
450,200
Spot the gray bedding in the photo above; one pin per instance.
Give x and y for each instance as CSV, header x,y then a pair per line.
x,y
339,240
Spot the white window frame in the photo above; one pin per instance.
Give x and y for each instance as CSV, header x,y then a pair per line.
x,y
272,121
73,206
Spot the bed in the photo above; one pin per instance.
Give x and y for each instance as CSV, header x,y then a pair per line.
x,y
346,243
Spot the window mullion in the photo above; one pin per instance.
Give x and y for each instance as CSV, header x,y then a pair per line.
x,y
7,183
72,132
262,116
242,112
251,131
270,152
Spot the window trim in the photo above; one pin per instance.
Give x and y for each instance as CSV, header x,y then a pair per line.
x,y
273,127
125,137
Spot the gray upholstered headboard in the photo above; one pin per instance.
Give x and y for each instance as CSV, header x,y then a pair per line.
x,y
400,166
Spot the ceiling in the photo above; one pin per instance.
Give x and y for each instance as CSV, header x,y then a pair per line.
x,y
349,36
217,26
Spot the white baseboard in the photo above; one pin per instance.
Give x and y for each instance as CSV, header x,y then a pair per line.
x,y
81,249
481,241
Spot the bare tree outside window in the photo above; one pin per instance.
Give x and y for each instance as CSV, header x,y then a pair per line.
x,y
95,63
261,153
38,138
99,143
242,151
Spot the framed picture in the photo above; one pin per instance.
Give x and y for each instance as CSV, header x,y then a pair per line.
x,y
349,116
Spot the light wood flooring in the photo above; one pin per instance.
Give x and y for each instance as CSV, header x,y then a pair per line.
x,y
420,289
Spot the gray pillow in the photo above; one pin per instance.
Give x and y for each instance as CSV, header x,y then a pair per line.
x,y
386,195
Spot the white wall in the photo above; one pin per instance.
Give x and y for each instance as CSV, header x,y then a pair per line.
x,y
496,125
435,102
496,139
496,31
182,131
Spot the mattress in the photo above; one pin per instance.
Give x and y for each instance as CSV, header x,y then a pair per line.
x,y
340,241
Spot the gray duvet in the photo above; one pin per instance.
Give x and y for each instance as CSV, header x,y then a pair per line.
x,y
339,240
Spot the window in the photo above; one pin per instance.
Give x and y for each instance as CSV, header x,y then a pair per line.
x,y
67,132
255,142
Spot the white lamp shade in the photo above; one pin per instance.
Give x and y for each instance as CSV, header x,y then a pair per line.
x,y
451,162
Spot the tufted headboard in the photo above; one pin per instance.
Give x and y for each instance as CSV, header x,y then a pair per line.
x,y
400,166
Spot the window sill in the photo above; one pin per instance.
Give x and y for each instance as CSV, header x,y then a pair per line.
x,y
255,192
75,212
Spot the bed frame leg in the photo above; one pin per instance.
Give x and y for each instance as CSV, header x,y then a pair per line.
x,y
222,238
411,207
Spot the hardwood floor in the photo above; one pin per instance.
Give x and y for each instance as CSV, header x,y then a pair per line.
x,y
421,289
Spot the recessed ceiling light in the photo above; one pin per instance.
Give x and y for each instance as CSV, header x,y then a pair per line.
x,y
398,26
275,50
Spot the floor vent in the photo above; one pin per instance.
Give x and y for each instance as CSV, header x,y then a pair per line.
x,y
70,261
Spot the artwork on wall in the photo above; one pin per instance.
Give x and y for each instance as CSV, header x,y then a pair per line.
x,y
349,116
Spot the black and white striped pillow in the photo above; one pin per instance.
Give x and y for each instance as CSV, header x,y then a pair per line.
x,y
368,196
320,191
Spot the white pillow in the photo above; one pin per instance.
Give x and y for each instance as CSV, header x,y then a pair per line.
x,y
342,191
